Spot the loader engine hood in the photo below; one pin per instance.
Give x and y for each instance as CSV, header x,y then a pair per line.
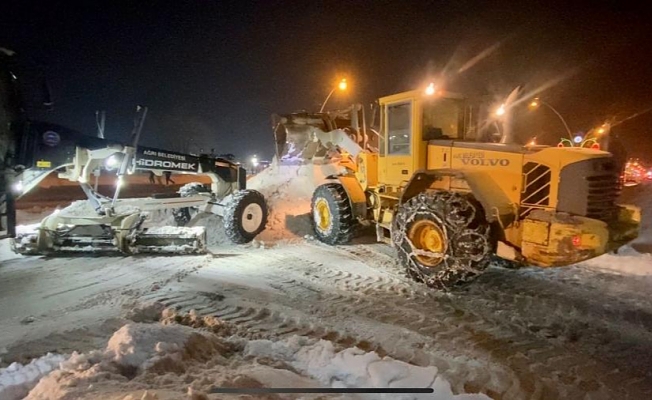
x,y
587,181
590,188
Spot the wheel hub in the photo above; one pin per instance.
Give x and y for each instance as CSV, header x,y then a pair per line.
x,y
428,237
322,215
252,217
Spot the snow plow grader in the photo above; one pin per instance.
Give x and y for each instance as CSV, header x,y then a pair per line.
x,y
450,201
32,150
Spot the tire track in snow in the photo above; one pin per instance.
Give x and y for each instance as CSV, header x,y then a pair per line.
x,y
352,308
285,319
462,312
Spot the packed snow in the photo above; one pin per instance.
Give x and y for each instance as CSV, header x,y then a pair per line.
x,y
353,368
167,359
16,380
571,332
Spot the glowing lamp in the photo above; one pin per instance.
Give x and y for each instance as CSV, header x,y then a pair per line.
x,y
111,161
18,187
430,90
577,139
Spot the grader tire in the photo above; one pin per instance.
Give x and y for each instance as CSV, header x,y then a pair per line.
x,y
245,216
442,238
331,214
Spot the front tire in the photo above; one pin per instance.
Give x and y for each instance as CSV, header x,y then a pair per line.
x,y
331,214
442,238
245,216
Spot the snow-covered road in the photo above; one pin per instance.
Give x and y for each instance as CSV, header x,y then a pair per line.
x,y
559,333
578,332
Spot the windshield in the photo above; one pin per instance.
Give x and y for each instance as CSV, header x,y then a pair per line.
x,y
445,114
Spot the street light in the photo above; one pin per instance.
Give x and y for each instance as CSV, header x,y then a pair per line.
x,y
254,161
534,104
430,90
500,111
342,86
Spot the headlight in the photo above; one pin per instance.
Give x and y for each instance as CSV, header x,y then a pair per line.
x,y
18,187
111,162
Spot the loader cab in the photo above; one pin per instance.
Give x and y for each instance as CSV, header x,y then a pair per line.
x,y
409,121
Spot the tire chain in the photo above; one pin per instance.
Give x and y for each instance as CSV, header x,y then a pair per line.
x,y
458,214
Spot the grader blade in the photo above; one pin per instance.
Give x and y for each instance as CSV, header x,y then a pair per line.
x,y
94,235
170,240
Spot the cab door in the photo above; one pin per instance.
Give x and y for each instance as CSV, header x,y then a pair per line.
x,y
398,163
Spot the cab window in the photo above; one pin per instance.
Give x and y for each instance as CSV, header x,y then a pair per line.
x,y
443,119
399,121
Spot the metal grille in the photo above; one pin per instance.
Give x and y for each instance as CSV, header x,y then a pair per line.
x,y
536,188
602,195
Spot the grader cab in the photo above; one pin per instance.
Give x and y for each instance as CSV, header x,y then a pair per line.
x,y
450,194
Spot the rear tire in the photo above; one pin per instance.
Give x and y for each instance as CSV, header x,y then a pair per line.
x,y
331,214
245,216
442,238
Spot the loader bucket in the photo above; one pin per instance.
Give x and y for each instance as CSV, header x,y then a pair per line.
x,y
297,142
300,137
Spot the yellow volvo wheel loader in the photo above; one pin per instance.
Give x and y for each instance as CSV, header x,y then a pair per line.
x,y
449,197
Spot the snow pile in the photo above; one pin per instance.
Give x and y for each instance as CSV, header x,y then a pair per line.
x,y
288,191
178,231
145,346
163,360
353,367
134,350
627,262
16,380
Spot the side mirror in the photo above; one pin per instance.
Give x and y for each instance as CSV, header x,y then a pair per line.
x,y
432,133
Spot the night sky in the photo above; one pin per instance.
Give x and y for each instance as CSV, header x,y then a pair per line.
x,y
215,71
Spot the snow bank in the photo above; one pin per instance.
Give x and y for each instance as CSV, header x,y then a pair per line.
x,y
163,360
353,367
627,262
16,380
132,351
140,345
288,191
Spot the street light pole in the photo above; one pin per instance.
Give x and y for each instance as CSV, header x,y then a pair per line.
x,y
535,102
342,86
